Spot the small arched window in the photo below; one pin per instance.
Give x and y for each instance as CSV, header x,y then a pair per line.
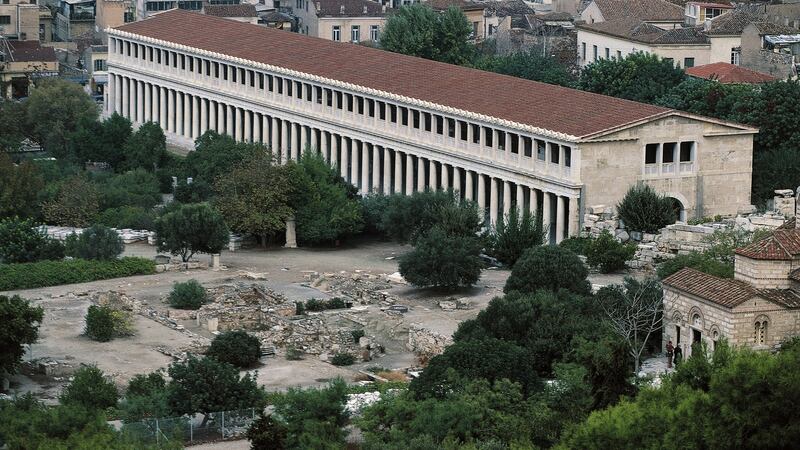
x,y
760,332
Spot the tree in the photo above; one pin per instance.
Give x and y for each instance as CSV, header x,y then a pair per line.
x,y
207,385
237,348
515,233
406,218
104,323
146,148
640,76
188,295
325,205
635,311
215,154
96,242
266,433
195,192
75,205
19,188
313,418
548,267
417,30
146,397
443,261
189,229
701,261
12,122
705,97
54,110
530,65
255,196
20,327
100,141
133,188
608,254
642,209
91,389
23,241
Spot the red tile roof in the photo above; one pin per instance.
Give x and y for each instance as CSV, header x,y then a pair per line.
x,y
729,73
783,297
23,51
349,8
722,291
554,108
647,10
782,245
241,10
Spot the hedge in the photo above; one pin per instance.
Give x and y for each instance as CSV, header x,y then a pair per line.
x,y
54,273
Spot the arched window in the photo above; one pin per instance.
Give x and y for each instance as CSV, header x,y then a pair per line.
x,y
760,332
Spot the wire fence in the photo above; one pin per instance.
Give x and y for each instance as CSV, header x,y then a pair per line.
x,y
198,428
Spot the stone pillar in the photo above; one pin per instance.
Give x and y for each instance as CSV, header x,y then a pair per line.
x,y
445,177
118,94
295,144
162,104
247,127
170,111
376,168
364,167
229,121
468,186
387,171
323,146
108,100
344,167
187,115
265,136
574,216
178,114
335,163
457,179
221,115
398,172
433,181
257,126
125,97
506,199
355,160
301,131
215,261
291,235
285,144
534,201
481,194
238,114
212,116
409,174
559,218
520,200
420,174
314,145
196,119
140,102
274,143
546,214
148,102
493,201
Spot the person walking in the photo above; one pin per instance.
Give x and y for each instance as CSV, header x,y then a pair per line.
x,y
678,356
670,351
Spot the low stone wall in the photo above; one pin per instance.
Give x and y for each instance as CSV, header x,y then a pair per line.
x,y
426,343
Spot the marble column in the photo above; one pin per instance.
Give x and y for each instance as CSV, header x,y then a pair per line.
x,y
265,137
398,172
229,121
178,114
238,115
285,149
409,174
355,161
433,179
468,186
295,145
376,168
187,115
364,167
247,126
162,108
481,194
387,171
559,218
493,200
118,94
221,115
148,102
170,111
574,217
257,126
196,119
212,116
344,166
506,199
445,177
335,152
303,134
533,202
323,146
520,200
420,174
314,144
457,180
203,116
546,214
274,143
140,102
125,97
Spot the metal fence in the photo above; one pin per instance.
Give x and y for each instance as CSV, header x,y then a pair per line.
x,y
209,427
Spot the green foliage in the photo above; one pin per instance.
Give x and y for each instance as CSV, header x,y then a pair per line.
x,y
444,261
12,122
548,267
642,209
705,97
135,188
141,385
20,327
194,192
146,148
266,433
325,206
91,389
54,110
293,353
739,398
54,273
531,65
75,204
254,195
188,229
237,348
207,385
216,154
608,254
704,262
724,242
19,187
101,141
188,295
576,244
514,234
22,241
417,30
134,217
96,242
343,359
299,308
357,335
104,323
407,217
320,305
640,76
313,418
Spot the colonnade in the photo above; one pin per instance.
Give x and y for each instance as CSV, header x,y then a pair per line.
x,y
369,166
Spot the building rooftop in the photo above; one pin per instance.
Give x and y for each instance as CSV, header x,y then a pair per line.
x,y
464,5
639,31
570,113
30,51
765,27
240,10
782,245
725,292
729,73
731,23
646,10
348,8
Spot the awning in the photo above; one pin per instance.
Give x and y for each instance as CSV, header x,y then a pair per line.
x,y
783,39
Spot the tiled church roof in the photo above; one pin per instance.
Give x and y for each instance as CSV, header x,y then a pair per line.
x,y
722,291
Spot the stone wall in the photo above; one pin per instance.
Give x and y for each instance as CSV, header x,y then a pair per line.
x,y
782,323
679,311
426,343
763,274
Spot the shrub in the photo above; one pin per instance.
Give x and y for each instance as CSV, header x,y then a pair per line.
x,y
315,305
642,209
96,242
237,348
548,267
189,229
54,273
104,323
134,217
343,359
607,254
135,188
514,234
267,433
195,192
299,308
357,335
321,305
75,204
293,353
23,241
187,295
335,303
576,244
703,262
91,389
443,260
